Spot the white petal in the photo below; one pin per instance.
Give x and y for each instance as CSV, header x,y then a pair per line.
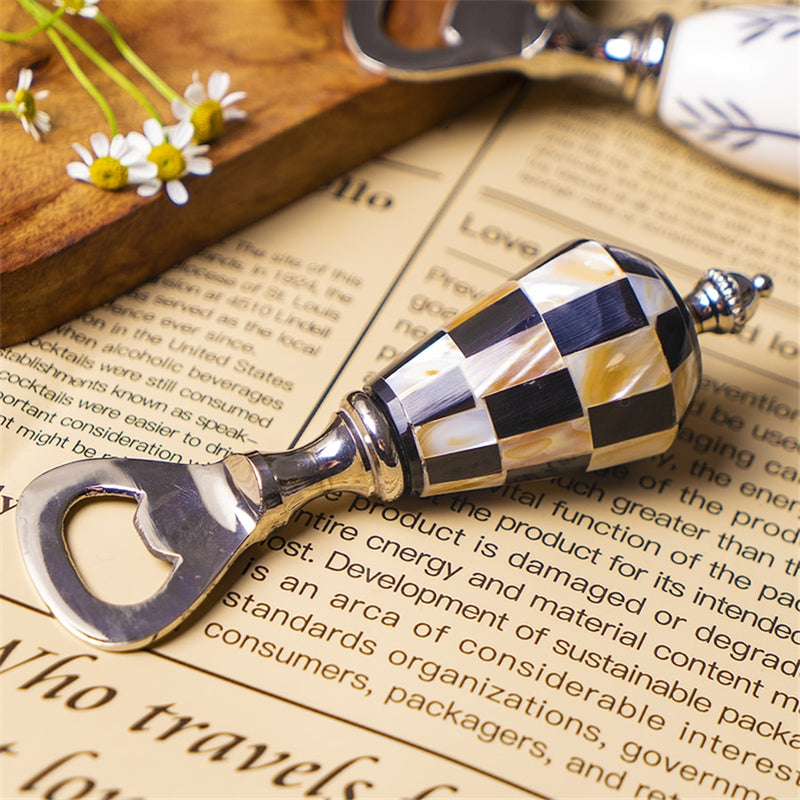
x,y
148,188
200,166
133,156
233,97
10,96
88,12
28,128
139,143
218,84
192,150
42,121
25,78
181,134
99,143
85,155
118,147
195,94
176,192
153,131
40,95
141,173
180,110
234,113
78,171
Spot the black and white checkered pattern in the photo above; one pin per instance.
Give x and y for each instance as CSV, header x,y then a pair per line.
x,y
586,360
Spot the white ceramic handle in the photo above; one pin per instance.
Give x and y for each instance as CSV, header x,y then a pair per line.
x,y
731,87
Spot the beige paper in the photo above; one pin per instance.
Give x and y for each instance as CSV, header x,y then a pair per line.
x,y
629,634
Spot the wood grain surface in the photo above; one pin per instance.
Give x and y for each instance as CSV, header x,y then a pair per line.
x,y
313,112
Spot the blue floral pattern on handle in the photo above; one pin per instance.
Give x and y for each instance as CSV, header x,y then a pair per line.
x,y
715,122
761,23
729,125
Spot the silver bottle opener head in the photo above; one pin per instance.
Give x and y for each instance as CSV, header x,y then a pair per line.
x,y
195,517
511,376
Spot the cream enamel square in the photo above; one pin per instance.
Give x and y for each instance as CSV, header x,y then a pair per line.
x,y
653,296
519,358
570,275
625,366
633,449
427,365
465,430
564,440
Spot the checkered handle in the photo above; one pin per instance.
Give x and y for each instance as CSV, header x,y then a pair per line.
x,y
586,360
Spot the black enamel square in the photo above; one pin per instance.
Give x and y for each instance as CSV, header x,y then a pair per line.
x,y
601,315
447,393
509,315
633,263
674,338
533,405
464,464
631,417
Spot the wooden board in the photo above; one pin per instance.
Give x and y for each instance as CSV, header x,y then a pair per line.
x,y
313,112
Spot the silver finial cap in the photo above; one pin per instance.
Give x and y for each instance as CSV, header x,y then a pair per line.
x,y
723,302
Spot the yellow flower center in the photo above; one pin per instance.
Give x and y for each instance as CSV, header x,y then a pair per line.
x,y
25,104
108,173
208,121
73,6
169,160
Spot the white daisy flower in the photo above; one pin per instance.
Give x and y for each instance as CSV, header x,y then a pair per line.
x,y
171,150
209,108
114,165
23,102
81,8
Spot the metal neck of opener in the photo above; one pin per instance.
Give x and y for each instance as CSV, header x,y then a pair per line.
x,y
200,518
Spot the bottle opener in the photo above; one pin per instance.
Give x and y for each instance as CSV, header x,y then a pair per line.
x,y
587,359
726,80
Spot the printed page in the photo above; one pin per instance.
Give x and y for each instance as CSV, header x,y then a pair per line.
x,y
632,633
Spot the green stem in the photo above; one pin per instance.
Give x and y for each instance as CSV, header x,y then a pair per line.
x,y
8,107
109,69
9,36
101,63
84,81
127,52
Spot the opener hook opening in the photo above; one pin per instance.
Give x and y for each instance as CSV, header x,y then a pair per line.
x,y
480,37
110,554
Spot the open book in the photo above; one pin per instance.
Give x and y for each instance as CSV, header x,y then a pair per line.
x,y
627,634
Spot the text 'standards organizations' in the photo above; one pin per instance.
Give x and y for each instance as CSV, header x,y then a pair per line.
x,y
631,633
